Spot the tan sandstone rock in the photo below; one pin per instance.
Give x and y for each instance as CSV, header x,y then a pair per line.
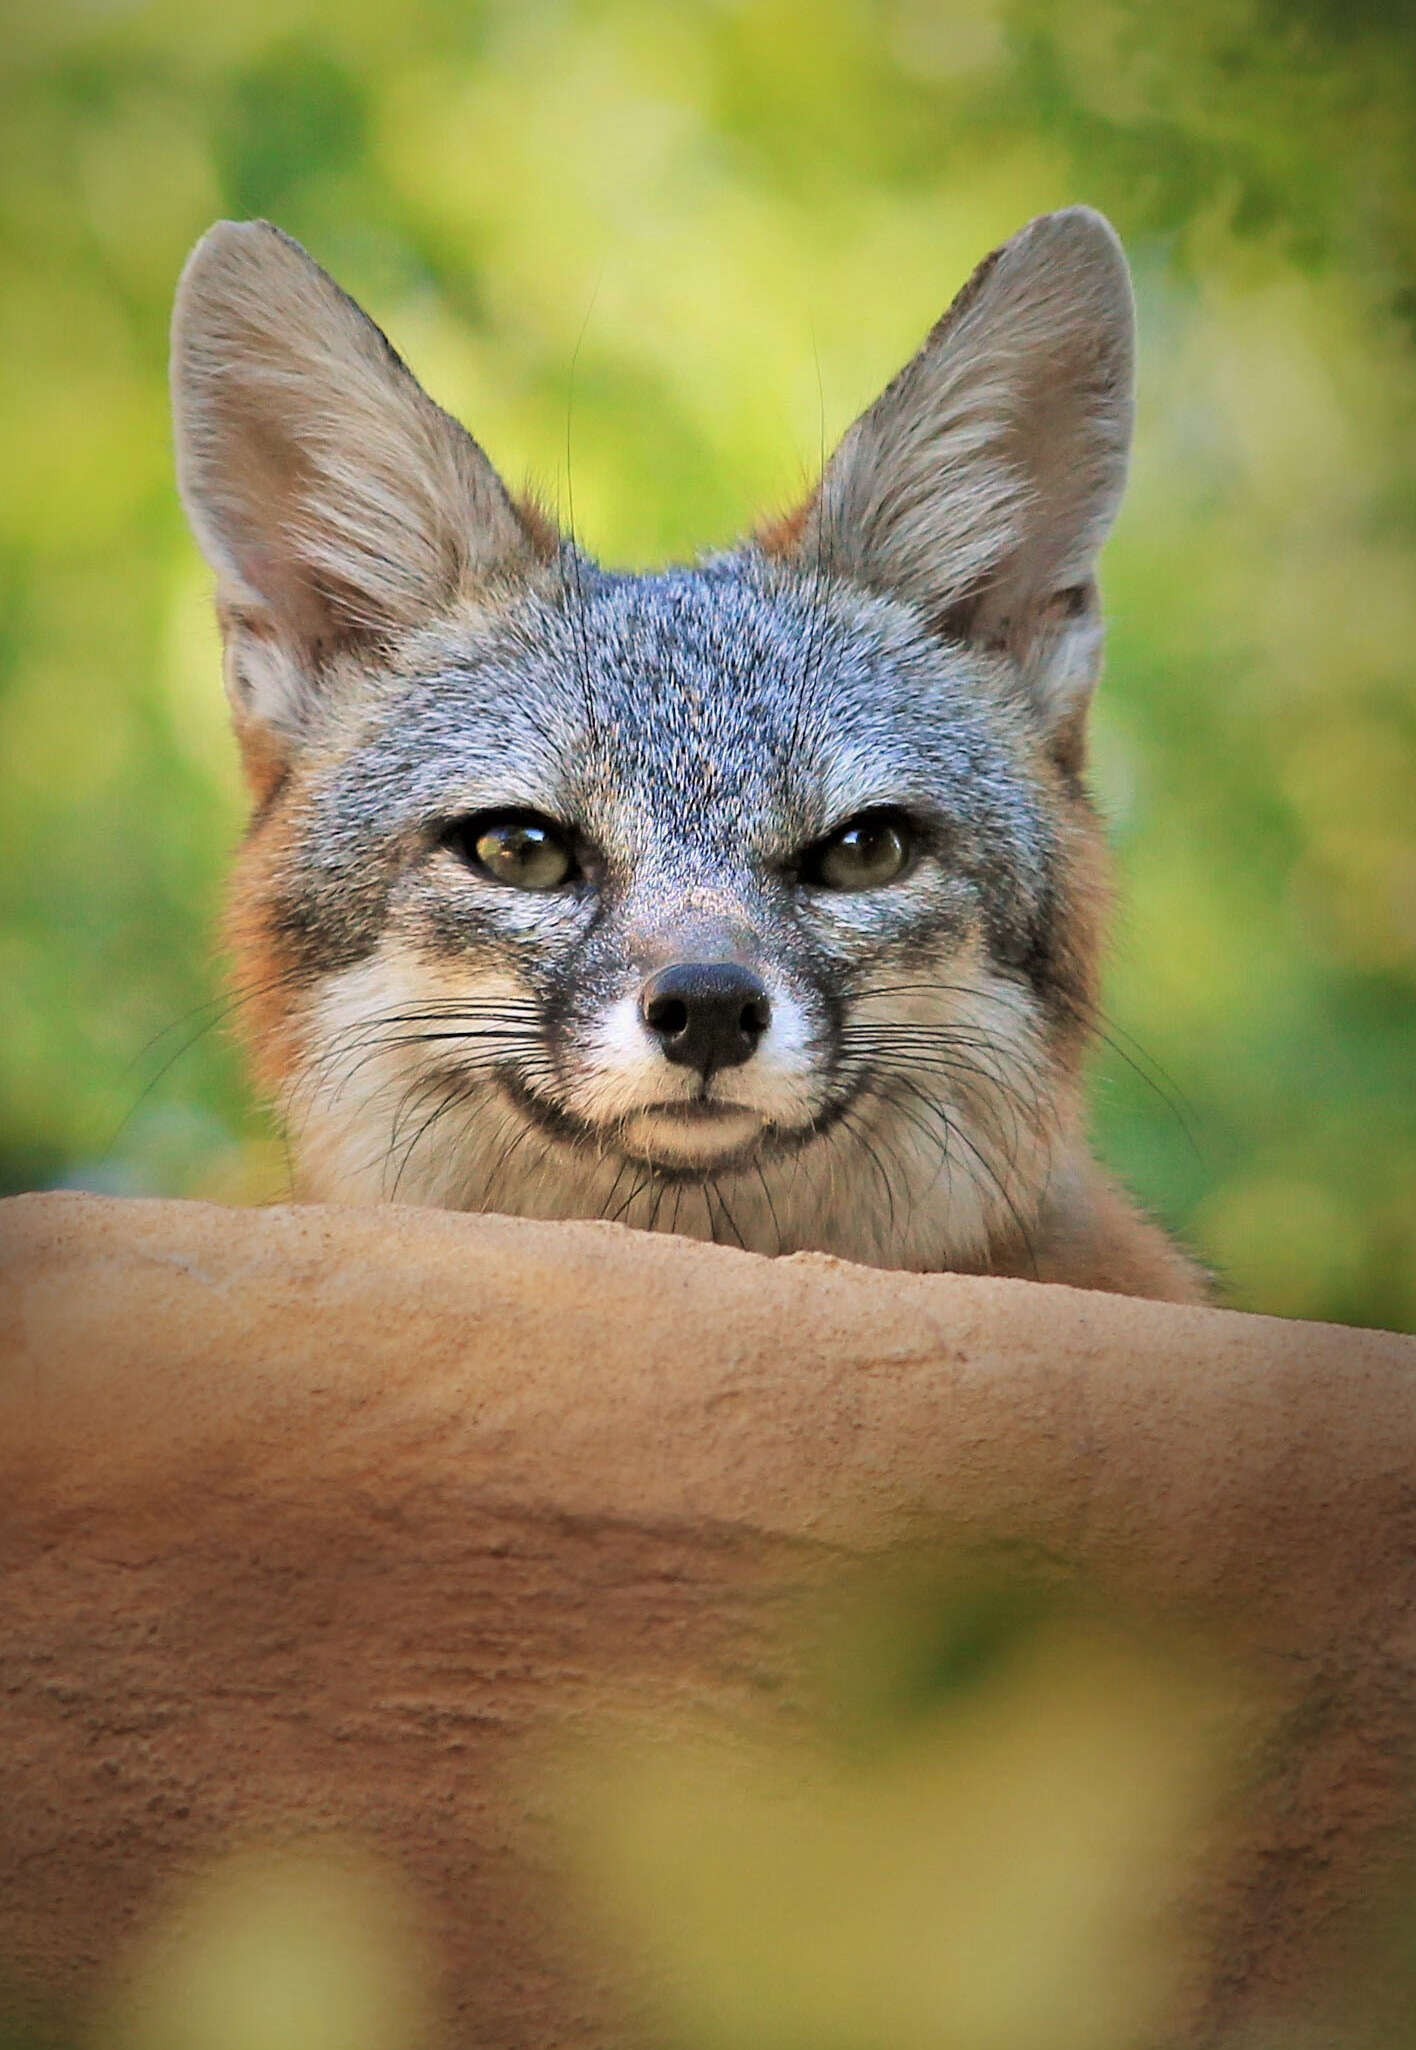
x,y
317,1519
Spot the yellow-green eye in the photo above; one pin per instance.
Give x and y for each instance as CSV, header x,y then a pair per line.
x,y
864,854
518,848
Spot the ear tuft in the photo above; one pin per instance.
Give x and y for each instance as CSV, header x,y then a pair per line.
x,y
983,481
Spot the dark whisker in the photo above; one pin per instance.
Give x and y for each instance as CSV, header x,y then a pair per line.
x,y
518,1138
455,1092
645,1176
730,1220
1097,1025
860,1133
771,1206
957,1131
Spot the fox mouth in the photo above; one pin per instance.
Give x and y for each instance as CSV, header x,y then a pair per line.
x,y
698,1110
684,1138
701,1134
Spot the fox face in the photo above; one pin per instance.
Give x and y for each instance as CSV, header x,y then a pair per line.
x,y
759,900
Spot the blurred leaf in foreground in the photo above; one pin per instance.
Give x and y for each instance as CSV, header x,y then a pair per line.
x,y
991,1843
281,1950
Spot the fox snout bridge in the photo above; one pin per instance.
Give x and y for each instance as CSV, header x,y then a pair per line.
x,y
706,1014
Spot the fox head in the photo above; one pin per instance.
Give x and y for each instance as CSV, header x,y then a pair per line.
x,y
758,900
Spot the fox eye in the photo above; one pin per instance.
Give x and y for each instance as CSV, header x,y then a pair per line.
x,y
516,847
864,854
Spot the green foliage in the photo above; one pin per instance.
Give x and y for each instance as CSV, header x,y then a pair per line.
x,y
754,208
973,1835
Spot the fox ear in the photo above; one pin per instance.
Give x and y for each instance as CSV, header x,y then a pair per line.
x,y
334,500
982,483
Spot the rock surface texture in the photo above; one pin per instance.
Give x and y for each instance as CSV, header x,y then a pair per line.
x,y
315,1519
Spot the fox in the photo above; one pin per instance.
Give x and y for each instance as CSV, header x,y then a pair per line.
x,y
759,899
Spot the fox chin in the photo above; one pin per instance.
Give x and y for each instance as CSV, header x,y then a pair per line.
x,y
759,899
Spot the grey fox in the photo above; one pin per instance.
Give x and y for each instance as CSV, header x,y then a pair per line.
x,y
760,900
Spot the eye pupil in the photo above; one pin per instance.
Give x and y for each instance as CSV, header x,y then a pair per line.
x,y
864,854
520,849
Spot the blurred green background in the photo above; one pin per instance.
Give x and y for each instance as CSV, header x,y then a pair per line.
x,y
753,210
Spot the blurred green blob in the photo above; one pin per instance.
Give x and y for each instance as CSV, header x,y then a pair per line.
x,y
317,1947
981,1831
914,1639
292,117
744,217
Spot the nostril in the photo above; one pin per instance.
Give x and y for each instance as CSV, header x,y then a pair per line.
x,y
668,1016
756,1017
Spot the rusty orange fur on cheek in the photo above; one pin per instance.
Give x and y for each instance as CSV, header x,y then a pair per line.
x,y
264,763
262,970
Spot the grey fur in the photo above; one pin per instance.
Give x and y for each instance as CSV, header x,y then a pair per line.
x,y
467,1043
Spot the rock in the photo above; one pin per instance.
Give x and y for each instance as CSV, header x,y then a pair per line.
x,y
328,1521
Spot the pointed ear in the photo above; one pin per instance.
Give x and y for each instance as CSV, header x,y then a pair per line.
x,y
981,484
336,503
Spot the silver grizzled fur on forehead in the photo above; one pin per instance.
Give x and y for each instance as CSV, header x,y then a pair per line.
x,y
408,648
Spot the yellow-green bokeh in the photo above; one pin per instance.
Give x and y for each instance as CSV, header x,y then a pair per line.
x,y
750,210
988,1824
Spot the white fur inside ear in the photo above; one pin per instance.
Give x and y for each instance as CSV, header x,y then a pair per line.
x,y
266,681
981,484
1059,653
331,496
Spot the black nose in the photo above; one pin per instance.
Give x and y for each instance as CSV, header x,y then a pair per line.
x,y
707,1014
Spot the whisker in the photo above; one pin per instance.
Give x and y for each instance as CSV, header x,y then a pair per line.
x,y
518,1138
860,1133
455,1092
730,1220
161,1075
222,1006
959,1132
613,1190
771,1206
1099,1026
645,1177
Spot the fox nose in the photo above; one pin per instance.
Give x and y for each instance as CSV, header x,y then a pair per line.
x,y
706,1014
